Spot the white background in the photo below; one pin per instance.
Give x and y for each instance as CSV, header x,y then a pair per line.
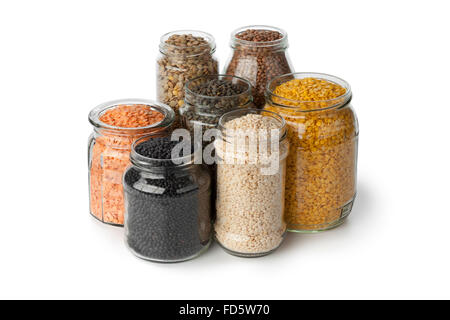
x,y
59,59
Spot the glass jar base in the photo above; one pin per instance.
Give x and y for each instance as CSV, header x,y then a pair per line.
x,y
204,249
311,228
107,223
249,255
316,228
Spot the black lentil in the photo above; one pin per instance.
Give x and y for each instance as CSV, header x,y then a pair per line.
x,y
167,209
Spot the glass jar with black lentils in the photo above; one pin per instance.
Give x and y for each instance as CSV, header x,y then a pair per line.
x,y
167,201
184,55
259,55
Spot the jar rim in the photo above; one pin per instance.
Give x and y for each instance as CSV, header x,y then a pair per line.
x,y
97,112
273,43
145,162
338,101
243,112
163,46
248,91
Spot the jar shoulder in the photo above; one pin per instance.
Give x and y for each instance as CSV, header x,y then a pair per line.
x,y
176,182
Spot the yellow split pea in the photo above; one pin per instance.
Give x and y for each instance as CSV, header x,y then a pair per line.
x,y
321,167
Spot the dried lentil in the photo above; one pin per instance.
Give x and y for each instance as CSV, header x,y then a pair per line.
x,y
249,204
321,166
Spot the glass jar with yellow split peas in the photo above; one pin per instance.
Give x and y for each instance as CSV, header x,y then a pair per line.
x,y
323,135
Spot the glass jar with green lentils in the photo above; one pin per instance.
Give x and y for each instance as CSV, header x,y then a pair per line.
x,y
323,135
184,55
207,98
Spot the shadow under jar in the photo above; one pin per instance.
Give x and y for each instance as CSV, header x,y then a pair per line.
x,y
168,215
323,136
117,124
259,54
184,55
252,151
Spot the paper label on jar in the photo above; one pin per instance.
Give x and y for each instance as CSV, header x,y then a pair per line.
x,y
345,211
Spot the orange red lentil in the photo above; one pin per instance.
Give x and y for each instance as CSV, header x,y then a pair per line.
x,y
321,166
109,156
131,116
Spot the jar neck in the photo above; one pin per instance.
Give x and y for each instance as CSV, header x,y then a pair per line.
x,y
248,46
206,47
238,43
160,167
200,53
307,106
106,129
234,136
203,103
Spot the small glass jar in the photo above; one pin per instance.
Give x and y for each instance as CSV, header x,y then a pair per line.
x,y
180,63
258,61
250,186
205,111
108,157
321,166
168,215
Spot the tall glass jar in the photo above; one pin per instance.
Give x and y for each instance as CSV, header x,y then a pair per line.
x,y
259,54
108,156
251,176
184,55
321,166
168,215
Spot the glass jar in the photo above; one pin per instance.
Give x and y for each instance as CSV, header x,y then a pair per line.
x,y
168,215
108,157
179,61
250,185
204,111
258,61
321,166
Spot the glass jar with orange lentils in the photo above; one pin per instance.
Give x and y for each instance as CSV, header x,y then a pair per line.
x,y
117,124
323,134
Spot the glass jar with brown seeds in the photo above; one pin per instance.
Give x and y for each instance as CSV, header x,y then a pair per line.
x,y
323,135
184,55
259,54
